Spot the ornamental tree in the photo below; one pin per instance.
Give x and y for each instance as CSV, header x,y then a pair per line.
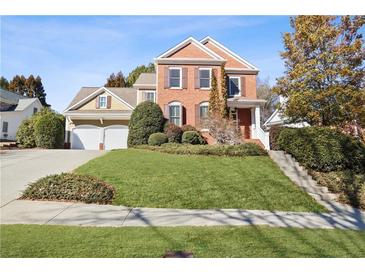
x,y
324,71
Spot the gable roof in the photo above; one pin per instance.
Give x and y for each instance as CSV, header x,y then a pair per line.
x,y
85,94
227,51
10,97
190,40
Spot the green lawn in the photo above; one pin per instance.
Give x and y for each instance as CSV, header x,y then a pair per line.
x,y
252,241
152,179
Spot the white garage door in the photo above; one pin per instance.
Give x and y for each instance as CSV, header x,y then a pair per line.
x,y
86,137
115,137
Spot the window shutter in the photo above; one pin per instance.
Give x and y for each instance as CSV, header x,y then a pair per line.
x,y
167,111
166,77
197,78
184,77
97,102
108,101
243,86
197,115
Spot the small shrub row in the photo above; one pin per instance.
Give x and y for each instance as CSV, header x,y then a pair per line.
x,y
70,187
157,139
323,149
242,150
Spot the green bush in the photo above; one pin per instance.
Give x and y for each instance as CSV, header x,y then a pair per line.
x,y
49,130
147,118
157,139
188,128
25,136
192,138
70,187
242,150
173,133
323,149
274,133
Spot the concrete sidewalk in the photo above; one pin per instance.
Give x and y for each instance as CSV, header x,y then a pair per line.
x,y
62,213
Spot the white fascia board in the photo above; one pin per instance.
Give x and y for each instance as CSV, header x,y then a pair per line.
x,y
182,61
228,51
95,93
196,43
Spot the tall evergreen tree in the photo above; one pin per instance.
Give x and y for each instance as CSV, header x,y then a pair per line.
x,y
17,85
214,100
4,83
39,91
223,104
134,74
324,80
116,81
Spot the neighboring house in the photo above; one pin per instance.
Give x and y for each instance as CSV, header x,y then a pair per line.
x,y
278,119
14,109
97,118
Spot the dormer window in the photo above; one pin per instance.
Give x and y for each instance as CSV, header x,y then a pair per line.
x,y
102,101
175,79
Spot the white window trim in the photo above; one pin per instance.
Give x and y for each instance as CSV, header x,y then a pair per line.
x,y
210,78
229,85
181,114
151,91
180,84
106,101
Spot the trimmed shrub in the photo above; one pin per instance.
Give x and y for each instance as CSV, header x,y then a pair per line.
x,y
147,118
192,138
49,130
70,187
188,128
273,136
173,133
242,150
25,136
323,149
157,139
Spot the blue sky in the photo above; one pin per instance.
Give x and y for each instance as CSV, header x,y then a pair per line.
x,y
73,51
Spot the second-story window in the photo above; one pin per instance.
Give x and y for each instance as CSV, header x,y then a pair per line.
x,y
175,80
149,96
204,78
102,101
234,86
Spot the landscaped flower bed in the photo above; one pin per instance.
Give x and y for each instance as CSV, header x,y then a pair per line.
x,y
70,187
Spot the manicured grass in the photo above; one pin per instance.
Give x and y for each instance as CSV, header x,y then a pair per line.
x,y
151,179
252,241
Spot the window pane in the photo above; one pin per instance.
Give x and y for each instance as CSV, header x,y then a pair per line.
x,y
204,73
175,115
150,96
204,83
234,88
174,82
175,73
203,111
102,102
5,126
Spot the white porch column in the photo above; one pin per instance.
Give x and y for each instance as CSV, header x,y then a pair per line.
x,y
253,124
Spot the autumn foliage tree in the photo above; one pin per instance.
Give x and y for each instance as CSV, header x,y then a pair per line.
x,y
324,76
116,81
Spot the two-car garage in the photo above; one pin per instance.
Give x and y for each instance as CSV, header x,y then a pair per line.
x,y
92,137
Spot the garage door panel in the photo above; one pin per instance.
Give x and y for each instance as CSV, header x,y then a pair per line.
x,y
86,137
115,137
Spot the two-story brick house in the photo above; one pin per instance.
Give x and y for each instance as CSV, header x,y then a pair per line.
x,y
181,86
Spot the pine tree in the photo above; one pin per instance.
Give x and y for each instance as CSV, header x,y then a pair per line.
x,y
223,105
4,83
214,100
17,85
39,91
324,80
30,85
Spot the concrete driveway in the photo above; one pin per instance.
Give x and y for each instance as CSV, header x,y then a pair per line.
x,y
21,167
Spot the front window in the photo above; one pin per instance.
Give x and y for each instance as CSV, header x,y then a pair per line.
x,y
204,78
5,127
204,110
175,78
149,96
175,113
234,86
35,110
102,101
